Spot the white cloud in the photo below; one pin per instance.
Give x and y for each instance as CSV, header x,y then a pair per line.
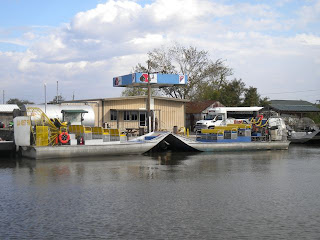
x,y
309,13
308,39
111,18
112,38
14,41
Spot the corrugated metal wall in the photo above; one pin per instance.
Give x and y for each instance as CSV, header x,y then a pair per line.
x,y
172,113
126,104
169,113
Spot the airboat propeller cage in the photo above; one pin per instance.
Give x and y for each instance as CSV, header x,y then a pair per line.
x,y
156,80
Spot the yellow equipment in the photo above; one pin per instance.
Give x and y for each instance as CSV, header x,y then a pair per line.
x,y
42,135
46,130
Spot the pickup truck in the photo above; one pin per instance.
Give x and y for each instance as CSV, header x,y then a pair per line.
x,y
216,120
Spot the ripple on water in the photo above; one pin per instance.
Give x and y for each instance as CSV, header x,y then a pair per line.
x,y
264,195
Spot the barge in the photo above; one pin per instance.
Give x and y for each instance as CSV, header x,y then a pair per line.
x,y
181,143
44,138
268,134
105,149
39,137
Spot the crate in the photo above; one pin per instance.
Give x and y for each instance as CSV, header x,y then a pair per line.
x,y
230,134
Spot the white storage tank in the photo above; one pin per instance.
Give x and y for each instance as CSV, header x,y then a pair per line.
x,y
54,111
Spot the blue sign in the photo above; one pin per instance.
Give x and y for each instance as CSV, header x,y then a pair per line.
x,y
156,80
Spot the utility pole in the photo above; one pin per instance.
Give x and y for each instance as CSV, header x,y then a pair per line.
x,y
149,128
73,96
57,100
45,98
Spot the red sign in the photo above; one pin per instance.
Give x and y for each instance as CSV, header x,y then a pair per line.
x,y
144,77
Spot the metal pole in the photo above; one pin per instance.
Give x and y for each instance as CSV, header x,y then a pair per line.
x,y
45,98
57,100
149,102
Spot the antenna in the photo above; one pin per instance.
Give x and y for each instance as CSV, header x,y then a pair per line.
x,y
45,98
57,100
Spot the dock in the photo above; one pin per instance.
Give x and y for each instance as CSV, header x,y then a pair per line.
x,y
7,146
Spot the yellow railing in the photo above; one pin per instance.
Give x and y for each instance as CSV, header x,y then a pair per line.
x,y
212,131
240,125
227,128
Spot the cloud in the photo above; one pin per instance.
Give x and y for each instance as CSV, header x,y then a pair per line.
x,y
109,40
308,39
309,13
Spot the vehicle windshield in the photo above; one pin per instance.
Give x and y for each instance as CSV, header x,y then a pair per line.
x,y
210,117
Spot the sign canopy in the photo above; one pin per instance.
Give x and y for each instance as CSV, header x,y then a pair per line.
x,y
156,80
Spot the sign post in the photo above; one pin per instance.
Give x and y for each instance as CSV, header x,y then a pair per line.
x,y
149,127
150,80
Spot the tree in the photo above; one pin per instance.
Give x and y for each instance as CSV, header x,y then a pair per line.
x,y
264,102
19,102
137,91
207,79
231,92
315,116
201,70
253,98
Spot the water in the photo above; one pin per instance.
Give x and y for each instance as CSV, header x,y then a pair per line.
x,y
261,195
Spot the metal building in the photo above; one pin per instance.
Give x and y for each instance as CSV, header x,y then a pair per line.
x,y
196,111
6,113
131,113
293,107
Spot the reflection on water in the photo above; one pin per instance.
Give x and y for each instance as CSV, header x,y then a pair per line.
x,y
168,195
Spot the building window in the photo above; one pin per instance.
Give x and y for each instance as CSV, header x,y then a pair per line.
x,y
134,116
130,115
126,116
113,115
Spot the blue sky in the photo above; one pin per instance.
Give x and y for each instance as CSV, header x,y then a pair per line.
x,y
20,16
16,13
271,45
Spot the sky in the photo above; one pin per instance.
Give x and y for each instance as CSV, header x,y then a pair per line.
x,y
273,45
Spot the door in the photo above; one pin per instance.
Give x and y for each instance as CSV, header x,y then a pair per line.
x,y
142,119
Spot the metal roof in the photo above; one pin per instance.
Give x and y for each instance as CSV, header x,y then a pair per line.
x,y
125,98
293,106
199,107
74,111
8,108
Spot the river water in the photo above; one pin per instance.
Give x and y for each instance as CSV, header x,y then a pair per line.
x,y
260,195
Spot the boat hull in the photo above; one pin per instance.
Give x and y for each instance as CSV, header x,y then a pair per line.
x,y
246,146
107,149
313,137
85,151
233,146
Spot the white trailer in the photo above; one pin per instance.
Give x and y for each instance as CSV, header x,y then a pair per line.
x,y
221,116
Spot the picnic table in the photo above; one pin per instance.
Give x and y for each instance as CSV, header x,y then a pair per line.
x,y
131,131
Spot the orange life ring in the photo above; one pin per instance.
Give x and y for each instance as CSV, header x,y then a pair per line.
x,y
64,137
